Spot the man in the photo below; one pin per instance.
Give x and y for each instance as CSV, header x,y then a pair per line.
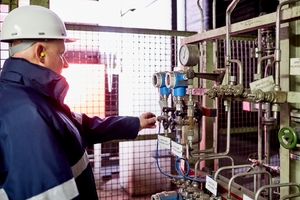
x,y
42,143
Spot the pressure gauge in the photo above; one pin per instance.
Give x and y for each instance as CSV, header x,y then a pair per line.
x,y
189,55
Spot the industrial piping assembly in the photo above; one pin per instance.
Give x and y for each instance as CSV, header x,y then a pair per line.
x,y
183,113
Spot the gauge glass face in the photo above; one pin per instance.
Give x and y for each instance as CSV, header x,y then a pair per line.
x,y
184,55
189,55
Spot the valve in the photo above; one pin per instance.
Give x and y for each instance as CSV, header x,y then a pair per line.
x,y
288,137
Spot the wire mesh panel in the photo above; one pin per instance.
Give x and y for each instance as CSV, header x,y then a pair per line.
x,y
111,71
4,9
244,124
143,55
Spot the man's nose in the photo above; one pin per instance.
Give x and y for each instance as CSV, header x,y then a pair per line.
x,y
66,64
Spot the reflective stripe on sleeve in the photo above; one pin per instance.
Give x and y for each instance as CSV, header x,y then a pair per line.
x,y
81,165
3,195
67,190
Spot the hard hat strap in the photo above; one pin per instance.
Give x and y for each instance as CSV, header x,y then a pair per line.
x,y
25,44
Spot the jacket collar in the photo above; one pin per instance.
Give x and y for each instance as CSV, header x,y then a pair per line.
x,y
41,79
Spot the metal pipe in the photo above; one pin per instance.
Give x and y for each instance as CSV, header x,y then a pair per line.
x,y
259,110
207,12
216,102
259,68
245,174
228,128
259,141
228,60
228,56
228,25
214,13
275,186
267,147
201,16
277,47
267,68
231,167
228,133
290,196
211,158
240,65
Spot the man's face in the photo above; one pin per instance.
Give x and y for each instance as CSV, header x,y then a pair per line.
x,y
54,56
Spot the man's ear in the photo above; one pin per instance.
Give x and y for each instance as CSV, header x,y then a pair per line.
x,y
40,53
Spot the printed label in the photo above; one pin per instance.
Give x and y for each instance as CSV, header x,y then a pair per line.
x,y
211,185
295,66
176,149
265,84
245,197
164,142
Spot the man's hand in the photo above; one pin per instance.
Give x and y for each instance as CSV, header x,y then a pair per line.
x,y
147,120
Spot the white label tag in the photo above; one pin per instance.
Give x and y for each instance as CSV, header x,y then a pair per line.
x,y
164,142
176,149
295,66
245,197
265,84
211,185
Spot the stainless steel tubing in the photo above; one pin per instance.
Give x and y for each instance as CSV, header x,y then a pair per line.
x,y
211,158
259,141
229,10
230,167
259,70
214,13
201,16
245,174
240,65
227,135
274,186
228,55
290,196
259,111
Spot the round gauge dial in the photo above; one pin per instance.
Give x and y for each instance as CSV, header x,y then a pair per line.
x,y
189,55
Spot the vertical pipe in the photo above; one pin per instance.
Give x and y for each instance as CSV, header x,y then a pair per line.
x,y
277,48
201,15
228,51
259,113
228,57
214,14
201,49
207,12
216,102
228,54
228,26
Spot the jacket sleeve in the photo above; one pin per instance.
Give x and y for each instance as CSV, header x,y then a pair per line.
x,y
32,163
96,130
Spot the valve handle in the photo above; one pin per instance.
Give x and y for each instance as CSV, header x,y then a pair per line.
x,y
288,137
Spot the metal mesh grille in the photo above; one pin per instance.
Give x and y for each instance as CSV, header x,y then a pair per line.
x,y
243,138
113,72
4,9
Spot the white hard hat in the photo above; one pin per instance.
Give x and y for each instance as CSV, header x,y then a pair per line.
x,y
33,23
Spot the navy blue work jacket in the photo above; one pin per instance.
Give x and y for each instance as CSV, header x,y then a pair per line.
x,y
42,143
